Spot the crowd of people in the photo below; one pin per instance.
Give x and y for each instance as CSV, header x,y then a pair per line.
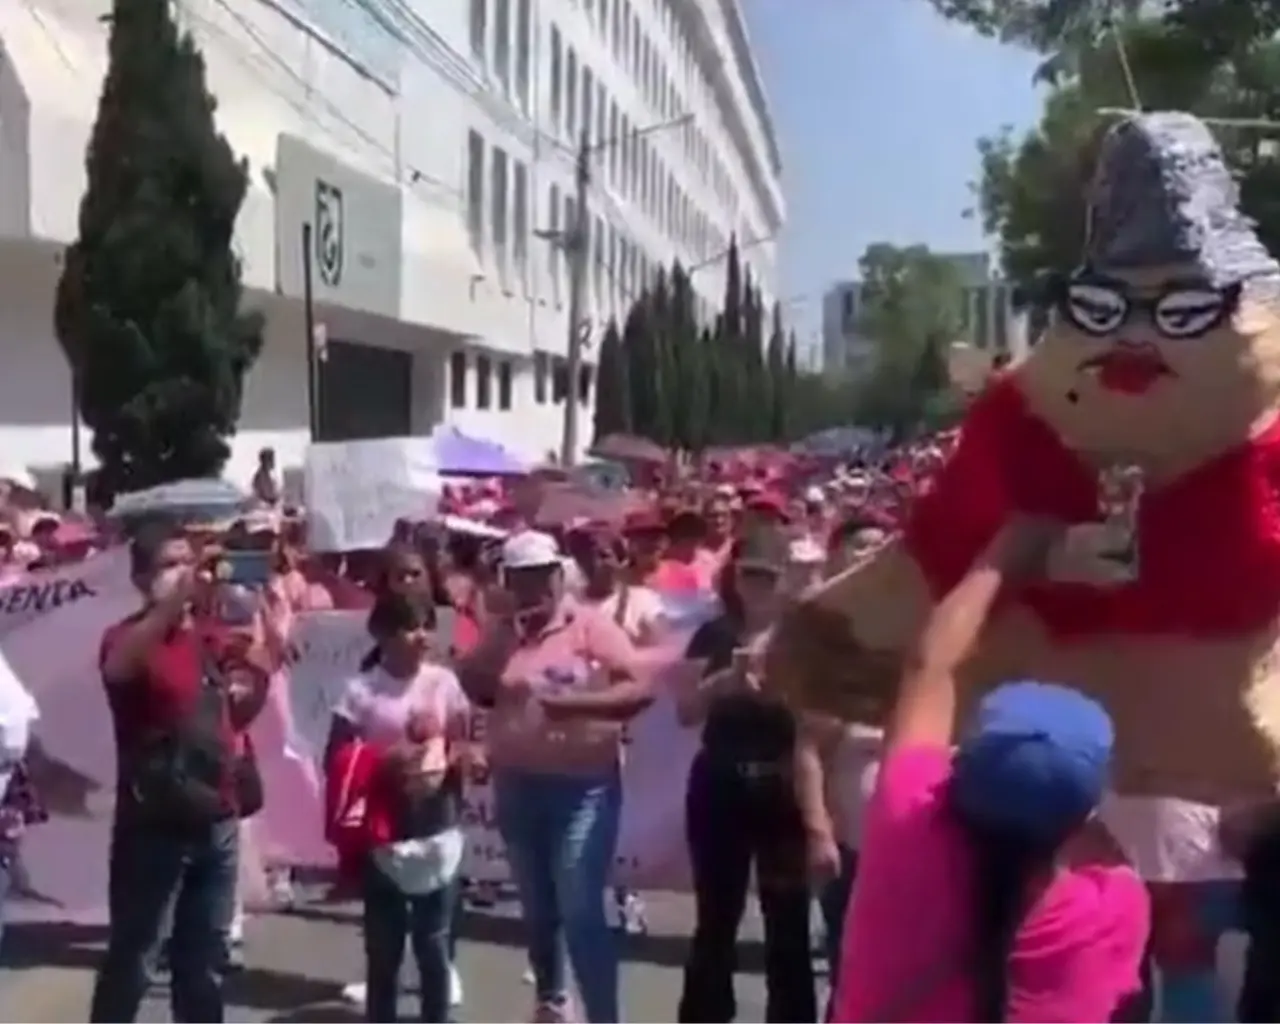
x,y
550,628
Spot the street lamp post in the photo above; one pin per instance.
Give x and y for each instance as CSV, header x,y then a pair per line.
x,y
575,240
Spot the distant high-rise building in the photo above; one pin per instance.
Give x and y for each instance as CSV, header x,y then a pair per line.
x,y
988,320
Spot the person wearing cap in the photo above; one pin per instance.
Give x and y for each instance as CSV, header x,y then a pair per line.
x,y
741,808
987,890
682,570
646,539
560,678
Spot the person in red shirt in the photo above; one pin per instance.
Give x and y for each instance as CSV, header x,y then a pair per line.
x,y
681,569
646,540
180,694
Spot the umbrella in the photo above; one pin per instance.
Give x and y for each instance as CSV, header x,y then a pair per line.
x,y
628,448
463,455
196,501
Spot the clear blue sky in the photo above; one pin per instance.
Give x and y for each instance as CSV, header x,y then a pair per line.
x,y
878,105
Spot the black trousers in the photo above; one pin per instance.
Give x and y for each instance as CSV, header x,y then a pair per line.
x,y
736,820
1259,998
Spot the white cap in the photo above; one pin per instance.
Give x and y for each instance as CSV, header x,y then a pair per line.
x,y
806,551
814,496
530,549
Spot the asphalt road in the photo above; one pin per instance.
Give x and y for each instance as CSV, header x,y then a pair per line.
x,y
297,963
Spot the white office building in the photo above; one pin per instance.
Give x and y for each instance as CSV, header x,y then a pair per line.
x,y
430,146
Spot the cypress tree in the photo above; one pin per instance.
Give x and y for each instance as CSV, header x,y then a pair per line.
x,y
148,306
780,386
613,398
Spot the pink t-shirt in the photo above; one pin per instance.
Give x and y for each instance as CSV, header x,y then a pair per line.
x,y
580,648
379,706
909,929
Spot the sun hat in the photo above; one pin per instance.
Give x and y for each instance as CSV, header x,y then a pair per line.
x,y
1035,762
530,549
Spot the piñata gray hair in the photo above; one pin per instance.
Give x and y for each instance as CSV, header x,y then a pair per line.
x,y
1163,194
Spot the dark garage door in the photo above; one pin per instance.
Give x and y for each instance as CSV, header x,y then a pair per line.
x,y
364,392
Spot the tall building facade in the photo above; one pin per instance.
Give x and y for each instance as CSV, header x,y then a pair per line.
x,y
987,317
430,146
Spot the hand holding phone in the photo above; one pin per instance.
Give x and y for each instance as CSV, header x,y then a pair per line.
x,y
247,568
744,663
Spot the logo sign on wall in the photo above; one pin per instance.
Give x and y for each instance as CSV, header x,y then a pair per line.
x,y
329,235
356,223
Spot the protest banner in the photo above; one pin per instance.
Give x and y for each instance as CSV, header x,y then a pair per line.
x,y
651,848
356,490
51,627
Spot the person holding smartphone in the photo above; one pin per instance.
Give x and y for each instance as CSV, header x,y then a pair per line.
x,y
180,691
741,807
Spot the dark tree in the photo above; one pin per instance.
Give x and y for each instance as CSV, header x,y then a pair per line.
x,y
641,354
613,399
148,307
779,380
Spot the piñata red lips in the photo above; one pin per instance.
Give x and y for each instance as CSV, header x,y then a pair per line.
x,y
1128,369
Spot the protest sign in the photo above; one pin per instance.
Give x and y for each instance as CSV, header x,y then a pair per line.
x,y
356,490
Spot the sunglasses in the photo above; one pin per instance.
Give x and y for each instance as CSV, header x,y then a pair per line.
x,y
1098,306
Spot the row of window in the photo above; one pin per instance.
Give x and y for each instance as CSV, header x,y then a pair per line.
x,y
629,161
511,53
499,205
547,369
623,32
505,181
502,40
459,364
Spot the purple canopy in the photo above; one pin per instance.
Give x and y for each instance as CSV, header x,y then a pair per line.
x,y
459,454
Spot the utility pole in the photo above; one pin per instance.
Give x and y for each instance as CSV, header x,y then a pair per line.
x,y
577,246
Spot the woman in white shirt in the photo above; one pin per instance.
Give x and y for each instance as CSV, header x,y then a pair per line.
x,y
601,555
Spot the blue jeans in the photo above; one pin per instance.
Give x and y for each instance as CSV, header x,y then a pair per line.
x,y
427,922
561,834
188,878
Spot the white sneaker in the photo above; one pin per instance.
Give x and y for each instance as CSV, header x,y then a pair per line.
x,y
355,993
455,987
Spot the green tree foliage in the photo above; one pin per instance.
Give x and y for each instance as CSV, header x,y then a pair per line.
x,y
781,377
692,386
148,308
613,395
910,310
1216,58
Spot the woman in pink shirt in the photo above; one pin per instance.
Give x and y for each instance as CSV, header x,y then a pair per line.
x,y
560,679
986,890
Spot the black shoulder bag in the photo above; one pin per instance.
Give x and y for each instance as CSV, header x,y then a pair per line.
x,y
178,778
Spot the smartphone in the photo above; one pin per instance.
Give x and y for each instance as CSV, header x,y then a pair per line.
x,y
247,568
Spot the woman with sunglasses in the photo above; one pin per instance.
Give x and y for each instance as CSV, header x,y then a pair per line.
x,y
741,807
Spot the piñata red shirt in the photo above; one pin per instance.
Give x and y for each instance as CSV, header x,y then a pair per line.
x,y
1208,542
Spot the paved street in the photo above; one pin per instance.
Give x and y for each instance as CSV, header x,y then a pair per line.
x,y
297,963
